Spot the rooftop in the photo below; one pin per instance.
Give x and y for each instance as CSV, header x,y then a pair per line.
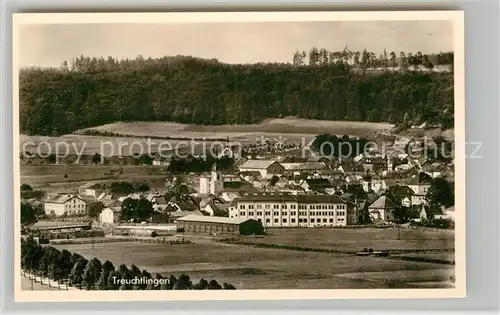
x,y
61,226
304,166
319,182
257,164
90,185
180,214
420,179
207,219
319,199
383,202
62,198
287,197
114,209
269,196
401,191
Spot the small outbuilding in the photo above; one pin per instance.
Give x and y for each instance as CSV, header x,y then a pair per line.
x,y
110,215
220,225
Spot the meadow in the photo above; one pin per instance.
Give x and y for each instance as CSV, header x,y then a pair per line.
x,y
248,267
135,141
352,240
275,125
106,146
290,128
52,177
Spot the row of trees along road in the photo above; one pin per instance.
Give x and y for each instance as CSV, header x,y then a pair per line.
x,y
90,92
75,270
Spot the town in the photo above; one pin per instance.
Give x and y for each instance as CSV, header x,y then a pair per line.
x,y
300,161
265,187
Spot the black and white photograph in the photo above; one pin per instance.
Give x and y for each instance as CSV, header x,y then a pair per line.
x,y
239,154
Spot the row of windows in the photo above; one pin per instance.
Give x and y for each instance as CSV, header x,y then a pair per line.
x,y
312,220
292,213
74,206
74,211
293,206
268,206
322,207
200,227
267,213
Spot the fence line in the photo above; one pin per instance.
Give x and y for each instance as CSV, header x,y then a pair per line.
x,y
120,240
331,250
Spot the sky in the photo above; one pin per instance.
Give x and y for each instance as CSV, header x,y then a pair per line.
x,y
51,44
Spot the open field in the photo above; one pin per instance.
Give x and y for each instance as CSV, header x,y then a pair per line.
x,y
353,240
448,134
257,268
108,146
51,177
269,127
291,130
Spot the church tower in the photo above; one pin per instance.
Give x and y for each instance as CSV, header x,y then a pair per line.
x,y
216,181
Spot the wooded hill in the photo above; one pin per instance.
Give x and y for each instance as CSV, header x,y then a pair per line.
x,y
89,92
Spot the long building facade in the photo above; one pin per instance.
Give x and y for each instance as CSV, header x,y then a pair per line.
x,y
219,225
286,210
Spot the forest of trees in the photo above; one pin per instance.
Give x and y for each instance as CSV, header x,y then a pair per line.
x,y
331,145
324,85
368,60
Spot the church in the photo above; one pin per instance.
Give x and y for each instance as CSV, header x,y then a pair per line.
x,y
214,184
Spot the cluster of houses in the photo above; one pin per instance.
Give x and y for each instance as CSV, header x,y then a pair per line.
x,y
280,188
279,192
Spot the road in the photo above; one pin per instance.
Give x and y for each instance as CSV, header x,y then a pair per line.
x,y
29,285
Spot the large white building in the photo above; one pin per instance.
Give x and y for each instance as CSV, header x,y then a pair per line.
x,y
286,210
65,204
420,188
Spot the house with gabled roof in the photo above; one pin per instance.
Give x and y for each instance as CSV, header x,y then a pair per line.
x,y
65,204
110,215
402,194
217,209
381,209
316,184
91,189
266,168
420,185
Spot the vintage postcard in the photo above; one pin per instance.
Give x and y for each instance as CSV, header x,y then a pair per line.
x,y
263,155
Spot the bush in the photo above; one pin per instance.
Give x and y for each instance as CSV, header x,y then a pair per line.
x,y
28,194
143,187
435,223
26,187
